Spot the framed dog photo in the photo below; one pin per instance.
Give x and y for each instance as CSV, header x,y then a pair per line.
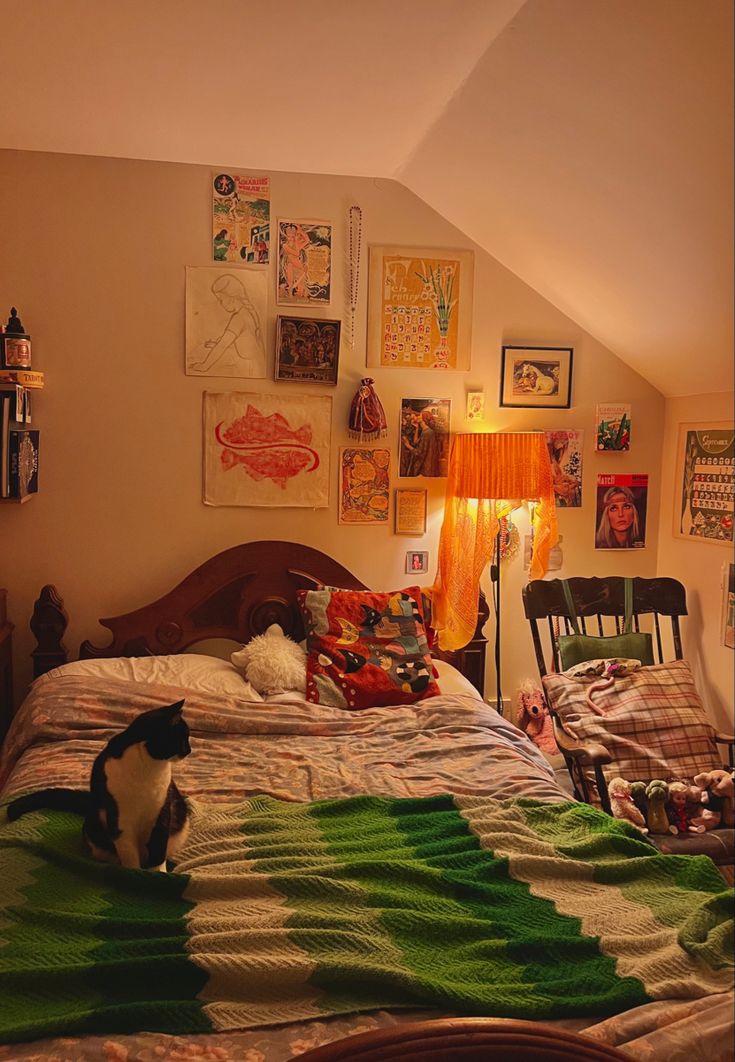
x,y
307,349
536,377
417,561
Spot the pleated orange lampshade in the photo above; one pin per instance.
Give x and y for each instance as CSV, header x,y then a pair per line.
x,y
490,474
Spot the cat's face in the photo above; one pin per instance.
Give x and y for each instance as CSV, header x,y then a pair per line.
x,y
165,732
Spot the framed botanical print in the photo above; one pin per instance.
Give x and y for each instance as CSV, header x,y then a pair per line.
x,y
420,308
307,349
704,484
410,513
536,377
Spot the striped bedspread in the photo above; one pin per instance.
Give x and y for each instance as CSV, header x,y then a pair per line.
x,y
282,911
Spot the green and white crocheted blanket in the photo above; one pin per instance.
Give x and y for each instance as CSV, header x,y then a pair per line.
x,y
281,911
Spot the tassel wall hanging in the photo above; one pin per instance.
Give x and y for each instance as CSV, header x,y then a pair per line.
x,y
367,416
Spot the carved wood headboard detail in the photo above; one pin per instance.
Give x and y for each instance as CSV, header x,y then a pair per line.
x,y
235,595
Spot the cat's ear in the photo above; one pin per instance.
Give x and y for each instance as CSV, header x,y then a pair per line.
x,y
173,711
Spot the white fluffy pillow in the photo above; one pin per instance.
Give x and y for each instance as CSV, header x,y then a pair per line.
x,y
271,662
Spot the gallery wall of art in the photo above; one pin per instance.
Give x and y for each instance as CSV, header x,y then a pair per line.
x,y
94,254
702,566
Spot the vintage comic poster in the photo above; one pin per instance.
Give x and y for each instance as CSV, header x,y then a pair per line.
x,y
410,514
420,308
226,312
364,481
266,450
622,502
565,453
613,426
705,483
475,405
424,441
304,262
241,219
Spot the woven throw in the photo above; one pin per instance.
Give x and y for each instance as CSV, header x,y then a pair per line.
x,y
653,722
282,911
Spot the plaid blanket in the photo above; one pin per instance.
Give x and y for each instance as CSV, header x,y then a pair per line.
x,y
283,911
653,726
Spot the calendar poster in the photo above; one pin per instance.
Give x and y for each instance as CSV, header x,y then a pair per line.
x,y
420,308
703,495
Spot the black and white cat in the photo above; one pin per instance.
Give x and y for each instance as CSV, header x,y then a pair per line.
x,y
134,813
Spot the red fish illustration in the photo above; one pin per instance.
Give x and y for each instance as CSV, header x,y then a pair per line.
x,y
266,447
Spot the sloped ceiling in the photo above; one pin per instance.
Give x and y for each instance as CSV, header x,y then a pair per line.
x,y
586,144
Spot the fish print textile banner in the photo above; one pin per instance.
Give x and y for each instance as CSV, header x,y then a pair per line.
x,y
266,450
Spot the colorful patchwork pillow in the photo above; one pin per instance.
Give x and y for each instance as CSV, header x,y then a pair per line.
x,y
366,649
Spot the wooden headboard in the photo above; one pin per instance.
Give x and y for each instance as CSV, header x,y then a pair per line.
x,y
234,595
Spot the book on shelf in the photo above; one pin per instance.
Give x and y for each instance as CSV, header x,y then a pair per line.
x,y
6,402
26,377
23,462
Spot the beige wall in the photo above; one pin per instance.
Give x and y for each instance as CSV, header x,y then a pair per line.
x,y
93,254
701,566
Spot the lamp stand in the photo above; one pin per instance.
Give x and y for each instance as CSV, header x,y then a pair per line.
x,y
495,580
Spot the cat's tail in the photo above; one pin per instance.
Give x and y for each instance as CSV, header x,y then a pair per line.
x,y
76,800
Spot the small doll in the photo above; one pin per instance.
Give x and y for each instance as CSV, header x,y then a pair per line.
x,y
657,792
679,809
622,804
532,716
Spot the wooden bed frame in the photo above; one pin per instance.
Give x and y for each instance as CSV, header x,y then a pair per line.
x,y
235,595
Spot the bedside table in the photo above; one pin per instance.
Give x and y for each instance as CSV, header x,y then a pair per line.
x,y
6,677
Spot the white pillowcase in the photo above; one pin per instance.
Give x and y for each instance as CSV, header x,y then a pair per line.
x,y
191,671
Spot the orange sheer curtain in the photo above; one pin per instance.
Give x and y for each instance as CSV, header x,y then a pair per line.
x,y
490,474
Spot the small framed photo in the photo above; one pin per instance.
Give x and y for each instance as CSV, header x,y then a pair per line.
x,y
410,512
536,377
417,561
307,349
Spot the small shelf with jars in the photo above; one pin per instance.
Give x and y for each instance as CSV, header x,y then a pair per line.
x,y
19,441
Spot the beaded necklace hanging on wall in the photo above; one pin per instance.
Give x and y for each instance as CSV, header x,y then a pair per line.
x,y
354,226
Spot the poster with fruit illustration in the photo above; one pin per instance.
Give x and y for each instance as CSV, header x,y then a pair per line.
x,y
266,450
364,482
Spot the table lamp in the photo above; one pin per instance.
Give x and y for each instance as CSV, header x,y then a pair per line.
x,y
490,475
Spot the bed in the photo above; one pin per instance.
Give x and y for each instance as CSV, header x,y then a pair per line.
x,y
346,871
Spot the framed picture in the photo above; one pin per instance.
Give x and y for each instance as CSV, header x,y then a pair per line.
x,y
475,405
536,377
364,482
566,450
622,502
307,349
410,516
728,608
417,561
267,450
424,437
226,316
304,262
703,488
420,308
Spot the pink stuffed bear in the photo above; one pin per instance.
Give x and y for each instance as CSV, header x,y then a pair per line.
x,y
532,716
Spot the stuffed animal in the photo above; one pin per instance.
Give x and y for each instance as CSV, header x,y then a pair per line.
x,y
622,805
719,785
532,716
657,793
272,662
638,793
679,809
708,810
